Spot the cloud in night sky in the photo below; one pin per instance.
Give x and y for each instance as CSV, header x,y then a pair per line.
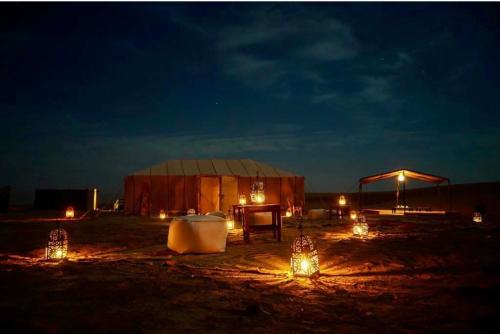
x,y
91,92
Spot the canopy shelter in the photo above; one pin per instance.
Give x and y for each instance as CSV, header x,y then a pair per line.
x,y
401,175
207,185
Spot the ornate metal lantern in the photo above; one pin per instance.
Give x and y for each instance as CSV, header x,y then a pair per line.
x,y
305,260
242,200
360,228
57,246
477,217
70,212
342,200
163,214
257,194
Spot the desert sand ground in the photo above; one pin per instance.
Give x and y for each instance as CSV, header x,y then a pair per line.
x,y
410,275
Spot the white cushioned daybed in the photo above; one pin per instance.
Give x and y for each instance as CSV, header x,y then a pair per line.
x,y
197,234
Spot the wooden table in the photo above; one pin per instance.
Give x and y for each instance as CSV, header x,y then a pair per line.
x,y
242,213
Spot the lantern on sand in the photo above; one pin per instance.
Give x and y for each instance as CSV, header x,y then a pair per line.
x,y
57,246
477,217
230,221
70,212
257,194
116,205
353,215
304,261
163,214
242,200
342,200
360,228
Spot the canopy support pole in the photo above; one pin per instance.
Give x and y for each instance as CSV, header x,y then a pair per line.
x,y
404,197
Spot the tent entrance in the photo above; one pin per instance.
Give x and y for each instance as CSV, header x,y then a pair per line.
x,y
229,193
209,193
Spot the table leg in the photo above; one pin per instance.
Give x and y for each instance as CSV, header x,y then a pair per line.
x,y
246,228
274,223
279,226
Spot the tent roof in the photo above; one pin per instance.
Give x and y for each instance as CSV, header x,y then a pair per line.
x,y
408,173
244,167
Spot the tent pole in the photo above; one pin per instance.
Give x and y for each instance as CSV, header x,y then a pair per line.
x,y
397,194
280,192
221,194
133,197
198,194
150,190
185,195
404,197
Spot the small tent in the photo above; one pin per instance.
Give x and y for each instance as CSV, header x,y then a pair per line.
x,y
207,185
401,175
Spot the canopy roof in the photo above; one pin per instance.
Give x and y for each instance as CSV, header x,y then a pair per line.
x,y
215,167
407,173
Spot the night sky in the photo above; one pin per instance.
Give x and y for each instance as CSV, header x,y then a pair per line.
x,y
332,91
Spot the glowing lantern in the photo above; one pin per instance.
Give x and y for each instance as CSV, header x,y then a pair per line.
x,y
360,228
163,214
401,177
57,247
230,221
191,212
94,199
353,215
305,260
342,200
242,200
288,212
477,217
257,192
70,212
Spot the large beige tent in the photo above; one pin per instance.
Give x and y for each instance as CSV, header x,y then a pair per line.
x,y
207,185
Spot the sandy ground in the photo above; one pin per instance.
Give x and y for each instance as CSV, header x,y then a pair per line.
x,y
410,275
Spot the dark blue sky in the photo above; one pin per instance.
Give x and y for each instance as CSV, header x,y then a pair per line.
x,y
333,91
